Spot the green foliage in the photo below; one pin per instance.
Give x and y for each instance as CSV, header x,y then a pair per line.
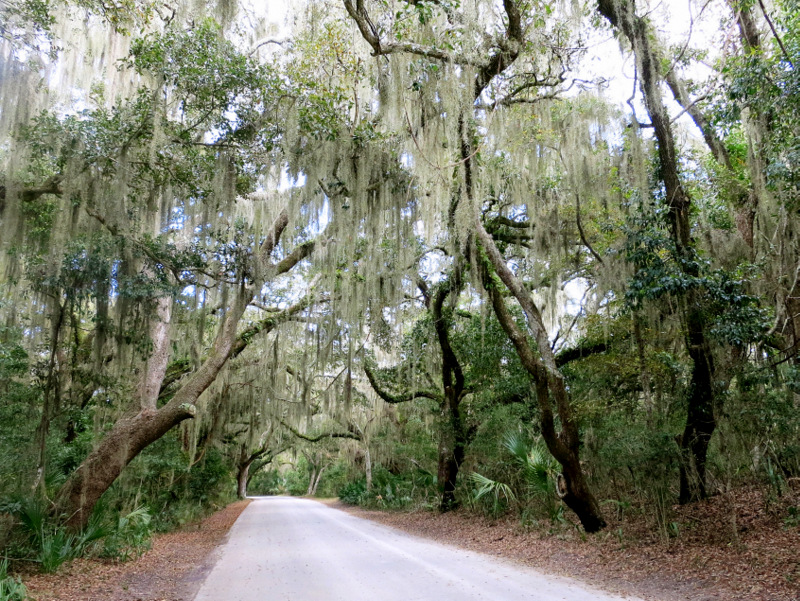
x,y
530,487
11,587
398,490
391,490
297,478
768,85
539,469
52,544
735,317
499,494
354,492
267,482
333,479
174,491
218,87
19,399
130,536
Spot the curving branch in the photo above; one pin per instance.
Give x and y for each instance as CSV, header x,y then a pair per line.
x,y
451,366
318,437
380,47
396,399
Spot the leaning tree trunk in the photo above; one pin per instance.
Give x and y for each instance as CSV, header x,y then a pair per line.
x,y
700,419
131,435
119,447
548,381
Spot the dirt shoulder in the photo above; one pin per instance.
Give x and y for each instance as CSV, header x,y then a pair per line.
x,y
705,562
725,550
172,570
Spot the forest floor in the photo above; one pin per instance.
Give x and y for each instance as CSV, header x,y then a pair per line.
x,y
729,548
172,570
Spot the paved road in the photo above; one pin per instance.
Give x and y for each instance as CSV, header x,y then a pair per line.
x,y
286,549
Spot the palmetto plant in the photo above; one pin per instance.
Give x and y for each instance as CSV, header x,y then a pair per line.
x,y
500,493
538,472
11,587
539,469
53,544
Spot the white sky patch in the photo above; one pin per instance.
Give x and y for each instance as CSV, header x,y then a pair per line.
x,y
575,291
682,24
287,181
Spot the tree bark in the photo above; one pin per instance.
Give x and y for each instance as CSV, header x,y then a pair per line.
x,y
119,447
242,478
317,480
311,479
452,448
368,467
499,58
452,441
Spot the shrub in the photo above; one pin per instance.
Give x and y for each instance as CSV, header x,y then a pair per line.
x,y
130,536
266,482
353,493
499,495
11,587
52,545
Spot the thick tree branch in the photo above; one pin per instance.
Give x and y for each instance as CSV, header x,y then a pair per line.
x,y
450,363
508,52
298,254
51,186
396,399
580,352
317,438
381,48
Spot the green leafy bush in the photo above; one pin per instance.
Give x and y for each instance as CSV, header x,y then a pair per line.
x,y
353,493
11,587
130,536
53,545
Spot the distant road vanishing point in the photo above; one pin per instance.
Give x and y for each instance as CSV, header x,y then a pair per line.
x,y
289,549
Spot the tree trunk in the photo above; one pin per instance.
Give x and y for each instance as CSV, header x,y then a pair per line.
x,y
368,466
316,481
131,435
700,420
452,447
548,382
119,447
311,477
452,442
242,478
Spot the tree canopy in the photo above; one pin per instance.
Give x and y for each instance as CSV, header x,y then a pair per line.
x,y
416,240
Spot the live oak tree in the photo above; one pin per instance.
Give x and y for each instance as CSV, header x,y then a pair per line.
x,y
700,290
468,65
145,184
441,303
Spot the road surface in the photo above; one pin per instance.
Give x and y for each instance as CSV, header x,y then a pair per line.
x,y
288,549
